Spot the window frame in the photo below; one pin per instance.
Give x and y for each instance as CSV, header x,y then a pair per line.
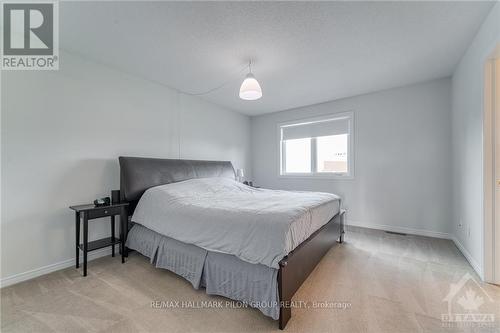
x,y
349,115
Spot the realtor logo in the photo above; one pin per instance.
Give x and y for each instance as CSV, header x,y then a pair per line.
x,y
30,36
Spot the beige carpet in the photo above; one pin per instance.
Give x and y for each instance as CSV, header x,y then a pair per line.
x,y
389,283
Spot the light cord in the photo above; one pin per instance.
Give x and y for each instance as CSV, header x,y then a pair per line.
x,y
221,85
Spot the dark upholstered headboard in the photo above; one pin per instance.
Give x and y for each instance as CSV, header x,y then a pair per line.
x,y
137,174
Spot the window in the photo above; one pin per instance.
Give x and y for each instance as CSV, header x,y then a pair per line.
x,y
317,147
298,155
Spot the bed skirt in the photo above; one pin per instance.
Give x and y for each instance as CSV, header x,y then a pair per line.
x,y
221,274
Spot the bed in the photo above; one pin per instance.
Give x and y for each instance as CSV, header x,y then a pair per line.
x,y
251,245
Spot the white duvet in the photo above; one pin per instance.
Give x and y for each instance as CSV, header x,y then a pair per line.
x,y
259,226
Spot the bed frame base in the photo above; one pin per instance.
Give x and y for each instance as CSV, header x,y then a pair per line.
x,y
296,267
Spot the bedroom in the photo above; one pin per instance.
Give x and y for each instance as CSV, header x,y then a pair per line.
x,y
366,130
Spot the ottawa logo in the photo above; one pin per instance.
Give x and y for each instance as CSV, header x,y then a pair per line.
x,y
465,299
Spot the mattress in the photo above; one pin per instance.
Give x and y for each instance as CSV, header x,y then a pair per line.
x,y
259,226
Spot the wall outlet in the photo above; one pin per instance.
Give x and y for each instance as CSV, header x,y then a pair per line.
x,y
465,227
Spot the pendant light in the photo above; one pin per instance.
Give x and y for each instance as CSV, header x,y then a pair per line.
x,y
250,88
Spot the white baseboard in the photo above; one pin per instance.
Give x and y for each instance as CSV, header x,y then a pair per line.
x,y
16,278
404,230
475,265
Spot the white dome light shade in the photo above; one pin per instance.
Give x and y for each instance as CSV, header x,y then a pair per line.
x,y
250,89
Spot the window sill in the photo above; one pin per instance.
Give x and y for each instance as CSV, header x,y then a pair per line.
x,y
318,176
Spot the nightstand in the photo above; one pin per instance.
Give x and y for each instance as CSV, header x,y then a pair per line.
x,y
91,212
247,183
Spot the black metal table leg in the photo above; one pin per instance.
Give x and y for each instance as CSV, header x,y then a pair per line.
x,y
123,232
77,238
113,234
125,218
85,242
341,238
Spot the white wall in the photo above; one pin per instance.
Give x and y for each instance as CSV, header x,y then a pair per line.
x,y
62,132
402,158
467,134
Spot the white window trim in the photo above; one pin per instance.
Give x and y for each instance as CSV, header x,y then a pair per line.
x,y
319,175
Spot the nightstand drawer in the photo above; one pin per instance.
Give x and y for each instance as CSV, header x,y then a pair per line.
x,y
104,211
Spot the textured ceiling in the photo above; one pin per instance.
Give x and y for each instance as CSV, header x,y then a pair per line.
x,y
303,52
